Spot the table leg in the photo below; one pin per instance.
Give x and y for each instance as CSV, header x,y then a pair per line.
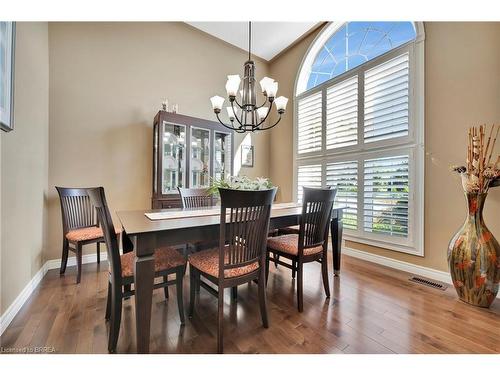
x,y
143,283
336,231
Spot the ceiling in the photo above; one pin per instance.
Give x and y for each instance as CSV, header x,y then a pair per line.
x,y
268,38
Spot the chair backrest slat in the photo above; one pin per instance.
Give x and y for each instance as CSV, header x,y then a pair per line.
x,y
98,199
244,227
194,198
316,215
76,208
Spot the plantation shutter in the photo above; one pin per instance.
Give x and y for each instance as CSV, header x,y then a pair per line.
x,y
386,193
343,176
386,100
309,176
342,114
309,124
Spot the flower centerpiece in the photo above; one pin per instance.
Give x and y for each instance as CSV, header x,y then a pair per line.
x,y
239,183
473,252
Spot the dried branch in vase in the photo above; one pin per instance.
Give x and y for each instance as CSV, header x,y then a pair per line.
x,y
480,171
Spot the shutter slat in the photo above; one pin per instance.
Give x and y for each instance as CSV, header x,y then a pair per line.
x,y
309,124
308,175
343,176
386,100
386,195
342,114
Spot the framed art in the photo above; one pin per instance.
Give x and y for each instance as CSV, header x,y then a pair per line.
x,y
246,156
7,49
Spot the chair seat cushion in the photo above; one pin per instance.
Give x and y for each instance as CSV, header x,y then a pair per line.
x,y
165,258
86,234
289,230
289,243
208,262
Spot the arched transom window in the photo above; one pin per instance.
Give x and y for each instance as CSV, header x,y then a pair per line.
x,y
359,128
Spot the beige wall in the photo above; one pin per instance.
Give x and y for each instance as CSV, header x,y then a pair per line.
x,y
24,160
462,87
107,81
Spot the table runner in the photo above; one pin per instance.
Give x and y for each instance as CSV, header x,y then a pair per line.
x,y
212,211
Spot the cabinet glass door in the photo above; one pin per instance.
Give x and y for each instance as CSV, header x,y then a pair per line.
x,y
222,155
173,157
200,158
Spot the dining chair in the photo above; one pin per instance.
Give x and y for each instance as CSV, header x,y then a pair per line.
x,y
196,197
310,244
167,261
241,254
80,226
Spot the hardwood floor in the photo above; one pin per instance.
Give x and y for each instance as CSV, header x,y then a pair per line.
x,y
373,309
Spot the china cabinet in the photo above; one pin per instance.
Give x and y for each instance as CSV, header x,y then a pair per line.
x,y
187,152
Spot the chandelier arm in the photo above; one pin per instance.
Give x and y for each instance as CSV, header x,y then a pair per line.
x,y
226,126
238,104
263,104
265,118
236,115
270,127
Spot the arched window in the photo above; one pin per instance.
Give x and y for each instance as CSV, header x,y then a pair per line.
x,y
359,128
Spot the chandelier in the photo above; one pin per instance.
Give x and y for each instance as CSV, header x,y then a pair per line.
x,y
245,115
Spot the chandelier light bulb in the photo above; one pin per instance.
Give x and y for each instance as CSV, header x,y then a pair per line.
x,y
217,102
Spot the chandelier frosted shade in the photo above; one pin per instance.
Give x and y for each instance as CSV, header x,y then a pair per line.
x,y
281,103
264,83
217,102
233,85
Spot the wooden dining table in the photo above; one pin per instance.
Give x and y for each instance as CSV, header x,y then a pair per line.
x,y
183,226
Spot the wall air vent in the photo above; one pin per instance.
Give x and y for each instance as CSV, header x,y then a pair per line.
x,y
428,282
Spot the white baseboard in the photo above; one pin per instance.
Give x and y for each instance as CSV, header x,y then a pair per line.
x,y
430,273
20,300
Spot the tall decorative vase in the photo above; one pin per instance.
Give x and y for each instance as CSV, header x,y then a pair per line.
x,y
474,257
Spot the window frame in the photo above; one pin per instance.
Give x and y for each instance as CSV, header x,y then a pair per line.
x,y
413,143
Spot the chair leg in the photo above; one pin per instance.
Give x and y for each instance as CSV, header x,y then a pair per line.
x,y
267,266
294,268
98,245
108,302
180,302
262,300
165,289
276,258
220,321
192,289
79,263
64,258
116,317
300,290
324,274
234,293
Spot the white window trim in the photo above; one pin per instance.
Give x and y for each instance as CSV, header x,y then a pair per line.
x,y
414,142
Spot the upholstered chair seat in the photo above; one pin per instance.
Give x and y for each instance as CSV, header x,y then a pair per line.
x,y
207,261
165,258
289,243
86,234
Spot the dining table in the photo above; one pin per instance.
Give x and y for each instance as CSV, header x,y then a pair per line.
x,y
151,229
